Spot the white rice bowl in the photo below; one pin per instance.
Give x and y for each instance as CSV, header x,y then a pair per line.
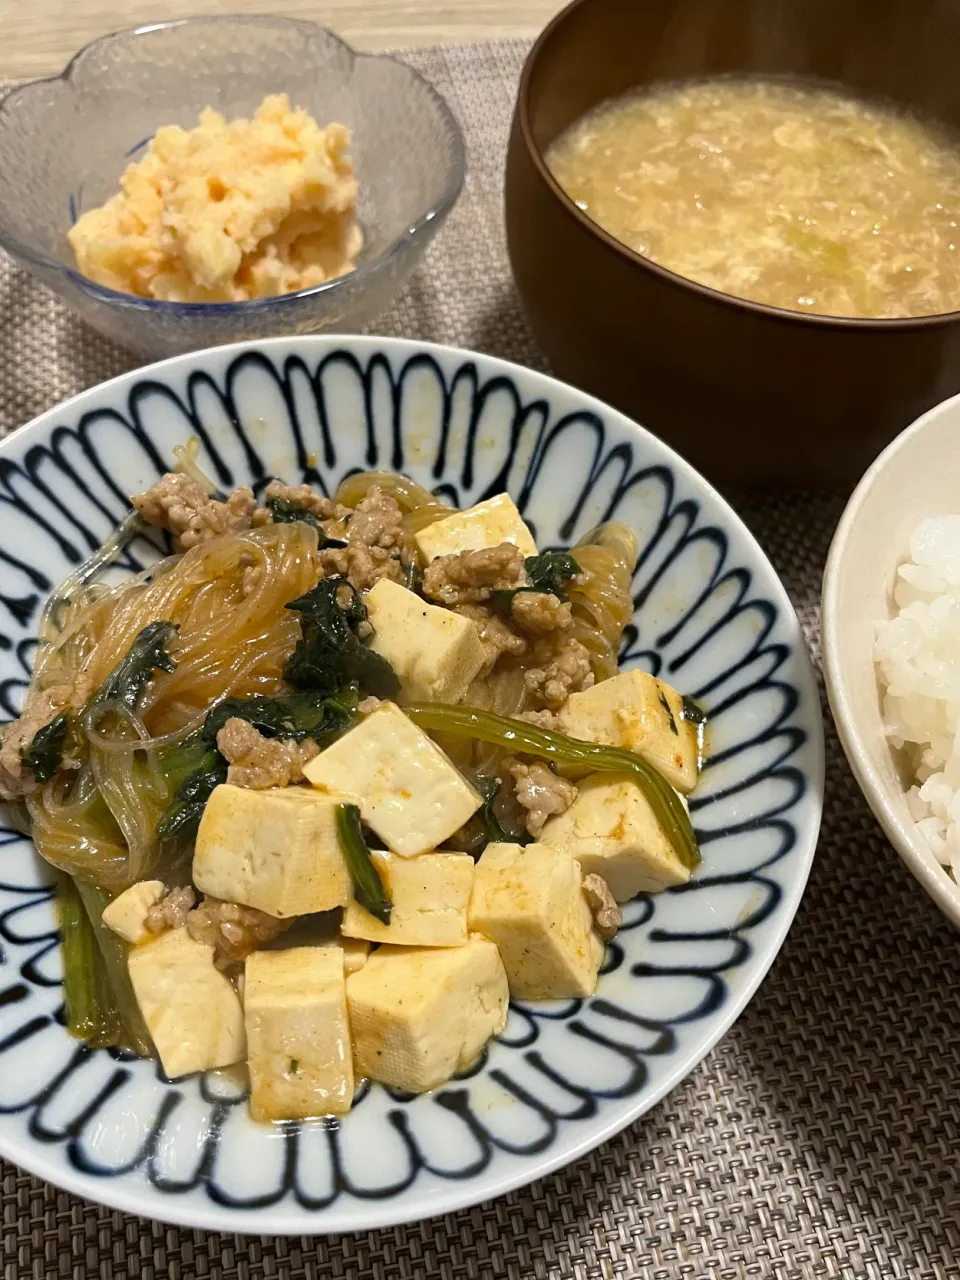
x,y
917,653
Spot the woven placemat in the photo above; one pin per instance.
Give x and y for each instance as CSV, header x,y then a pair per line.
x,y
818,1139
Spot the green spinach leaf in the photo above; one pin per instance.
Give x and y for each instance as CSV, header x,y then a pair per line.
x,y
45,752
330,655
295,716
691,711
128,681
286,512
485,826
126,684
547,573
186,809
551,572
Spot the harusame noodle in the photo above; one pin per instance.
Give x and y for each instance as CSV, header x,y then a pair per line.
x,y
419,505
101,821
602,604
228,599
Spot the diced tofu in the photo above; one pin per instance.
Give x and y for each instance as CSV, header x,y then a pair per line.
x,y
126,914
435,652
530,902
430,895
356,953
421,1015
410,793
190,1008
639,712
485,525
298,1036
274,850
611,830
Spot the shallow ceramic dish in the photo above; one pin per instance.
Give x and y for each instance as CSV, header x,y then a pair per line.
x,y
64,143
710,614
915,477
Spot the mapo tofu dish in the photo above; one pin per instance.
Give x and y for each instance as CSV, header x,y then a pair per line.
x,y
333,782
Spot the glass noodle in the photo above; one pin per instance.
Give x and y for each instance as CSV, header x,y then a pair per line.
x,y
228,599
97,819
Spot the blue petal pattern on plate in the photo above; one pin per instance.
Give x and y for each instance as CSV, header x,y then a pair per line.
x,y
710,617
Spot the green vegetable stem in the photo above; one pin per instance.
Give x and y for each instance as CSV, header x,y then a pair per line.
x,y
91,1013
100,1004
186,809
113,953
370,890
546,744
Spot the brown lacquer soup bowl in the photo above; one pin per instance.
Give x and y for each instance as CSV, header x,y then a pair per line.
x,y
751,394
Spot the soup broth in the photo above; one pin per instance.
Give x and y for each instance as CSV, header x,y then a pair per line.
x,y
780,193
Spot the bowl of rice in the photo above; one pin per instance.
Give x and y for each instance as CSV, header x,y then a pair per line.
x,y
891,646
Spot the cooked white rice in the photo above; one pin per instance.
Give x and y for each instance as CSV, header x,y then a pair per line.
x,y
918,658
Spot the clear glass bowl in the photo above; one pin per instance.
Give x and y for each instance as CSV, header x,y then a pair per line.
x,y
65,142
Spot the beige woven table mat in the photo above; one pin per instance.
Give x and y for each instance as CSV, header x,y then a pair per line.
x,y
818,1139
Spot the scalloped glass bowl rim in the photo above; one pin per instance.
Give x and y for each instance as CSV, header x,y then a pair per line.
x,y
364,271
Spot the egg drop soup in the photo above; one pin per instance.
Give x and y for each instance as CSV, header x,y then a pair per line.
x,y
780,193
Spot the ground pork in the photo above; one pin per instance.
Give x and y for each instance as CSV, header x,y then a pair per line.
x,y
541,611
232,930
362,566
472,576
301,495
541,719
496,635
16,780
366,706
171,911
252,574
331,515
258,762
607,916
563,668
541,793
377,521
186,510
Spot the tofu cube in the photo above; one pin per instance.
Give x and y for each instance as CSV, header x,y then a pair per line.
x,y
420,1015
410,793
485,525
126,914
611,830
530,902
274,850
298,1035
356,953
430,896
637,711
190,1008
435,652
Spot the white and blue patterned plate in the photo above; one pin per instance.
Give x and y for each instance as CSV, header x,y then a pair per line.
x,y
710,616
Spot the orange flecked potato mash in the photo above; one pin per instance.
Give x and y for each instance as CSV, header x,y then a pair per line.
x,y
228,211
